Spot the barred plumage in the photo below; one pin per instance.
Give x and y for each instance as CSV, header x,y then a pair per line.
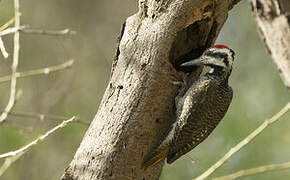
x,y
199,108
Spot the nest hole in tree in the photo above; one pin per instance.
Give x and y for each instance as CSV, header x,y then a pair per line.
x,y
189,44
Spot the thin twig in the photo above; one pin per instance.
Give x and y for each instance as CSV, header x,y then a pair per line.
x,y
11,101
27,30
244,142
46,70
7,24
8,161
256,170
11,30
36,141
2,47
3,50
42,117
14,155
48,32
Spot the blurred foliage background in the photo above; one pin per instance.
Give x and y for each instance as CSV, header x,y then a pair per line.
x,y
258,90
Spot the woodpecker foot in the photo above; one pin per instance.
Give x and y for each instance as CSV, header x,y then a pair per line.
x,y
177,83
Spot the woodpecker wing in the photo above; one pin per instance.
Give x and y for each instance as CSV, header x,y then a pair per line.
x,y
204,105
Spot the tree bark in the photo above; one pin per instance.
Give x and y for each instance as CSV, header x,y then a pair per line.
x,y
138,105
273,19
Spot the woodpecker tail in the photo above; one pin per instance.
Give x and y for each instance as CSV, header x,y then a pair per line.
x,y
154,158
160,153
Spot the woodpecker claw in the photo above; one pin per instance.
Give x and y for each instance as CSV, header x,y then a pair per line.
x,y
177,83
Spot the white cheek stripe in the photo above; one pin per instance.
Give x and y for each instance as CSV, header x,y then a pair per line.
x,y
230,58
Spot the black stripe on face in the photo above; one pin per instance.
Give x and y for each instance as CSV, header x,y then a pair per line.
x,y
218,55
233,53
226,61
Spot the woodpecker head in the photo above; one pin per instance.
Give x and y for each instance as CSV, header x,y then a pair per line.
x,y
220,58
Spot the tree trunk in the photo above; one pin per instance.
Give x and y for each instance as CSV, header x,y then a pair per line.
x,y
138,105
273,19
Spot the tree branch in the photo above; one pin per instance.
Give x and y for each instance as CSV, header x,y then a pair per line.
x,y
7,24
244,142
11,30
14,155
256,170
3,50
2,47
42,117
273,22
27,30
45,70
137,107
48,32
11,101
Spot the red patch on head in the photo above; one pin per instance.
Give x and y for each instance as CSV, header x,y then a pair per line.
x,y
220,46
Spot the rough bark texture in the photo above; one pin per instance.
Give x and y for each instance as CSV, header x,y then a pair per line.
x,y
273,19
138,105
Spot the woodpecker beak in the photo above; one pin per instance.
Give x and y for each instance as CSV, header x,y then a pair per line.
x,y
194,62
206,61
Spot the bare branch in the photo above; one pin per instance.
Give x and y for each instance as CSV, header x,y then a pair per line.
x,y
11,30
46,71
11,101
8,161
2,47
25,29
36,141
3,50
7,24
14,155
244,142
42,117
272,18
48,32
256,170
